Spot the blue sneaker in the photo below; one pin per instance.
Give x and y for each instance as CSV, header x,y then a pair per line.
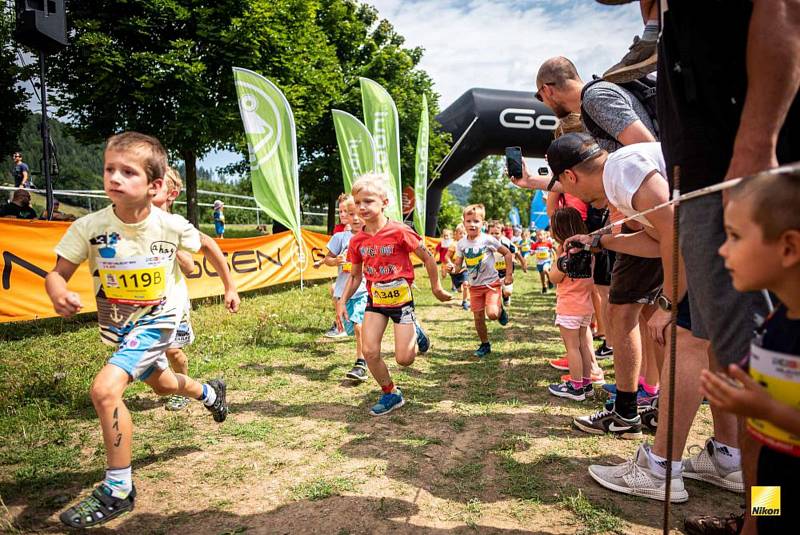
x,y
388,403
465,305
643,399
611,388
484,349
503,319
423,342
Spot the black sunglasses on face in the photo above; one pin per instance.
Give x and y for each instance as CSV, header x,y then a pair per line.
x,y
538,93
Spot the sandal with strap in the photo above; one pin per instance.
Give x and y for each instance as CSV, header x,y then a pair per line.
x,y
97,508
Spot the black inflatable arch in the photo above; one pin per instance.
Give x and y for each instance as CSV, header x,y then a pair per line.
x,y
501,119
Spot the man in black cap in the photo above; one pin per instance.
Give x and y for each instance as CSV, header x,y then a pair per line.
x,y
633,179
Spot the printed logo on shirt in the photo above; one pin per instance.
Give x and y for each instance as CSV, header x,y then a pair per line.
x,y
107,241
765,501
163,248
387,250
367,250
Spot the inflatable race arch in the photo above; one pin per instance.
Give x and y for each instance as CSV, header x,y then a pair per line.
x,y
483,122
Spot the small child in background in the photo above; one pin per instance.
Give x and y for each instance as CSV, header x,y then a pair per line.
x,y
496,231
219,218
516,237
443,246
477,252
357,304
460,280
337,330
574,311
525,244
543,253
762,221
184,336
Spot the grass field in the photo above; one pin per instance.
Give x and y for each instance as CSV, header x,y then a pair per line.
x,y
480,447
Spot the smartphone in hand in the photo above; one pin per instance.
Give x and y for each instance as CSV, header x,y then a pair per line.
x,y
514,162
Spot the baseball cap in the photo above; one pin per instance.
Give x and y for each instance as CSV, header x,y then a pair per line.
x,y
567,152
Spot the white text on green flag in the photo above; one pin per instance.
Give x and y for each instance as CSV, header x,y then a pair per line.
x,y
272,143
421,170
380,116
356,147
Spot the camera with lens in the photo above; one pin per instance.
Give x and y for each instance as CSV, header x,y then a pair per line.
x,y
576,265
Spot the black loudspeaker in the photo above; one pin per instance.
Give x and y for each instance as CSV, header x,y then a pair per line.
x,y
41,24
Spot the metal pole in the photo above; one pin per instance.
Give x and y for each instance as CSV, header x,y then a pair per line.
x,y
48,181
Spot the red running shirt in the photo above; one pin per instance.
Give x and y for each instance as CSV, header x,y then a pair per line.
x,y
386,255
339,228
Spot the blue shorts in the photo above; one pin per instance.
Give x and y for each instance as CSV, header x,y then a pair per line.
x,y
219,228
458,279
142,351
356,306
541,268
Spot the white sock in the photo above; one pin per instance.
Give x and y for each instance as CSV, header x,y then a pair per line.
x,y
658,465
119,482
728,457
650,32
209,395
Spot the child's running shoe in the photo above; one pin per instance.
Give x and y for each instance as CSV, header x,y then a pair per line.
x,y
506,300
423,342
643,400
220,407
604,352
598,379
566,390
503,318
588,391
359,372
611,388
97,508
560,364
388,403
465,305
334,332
176,403
544,290
484,349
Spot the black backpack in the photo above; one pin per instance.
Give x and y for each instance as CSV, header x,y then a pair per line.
x,y
643,89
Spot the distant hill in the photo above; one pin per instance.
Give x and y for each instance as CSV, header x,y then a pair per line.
x,y
461,193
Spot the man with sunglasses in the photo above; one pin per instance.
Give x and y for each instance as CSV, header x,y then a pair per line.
x,y
22,173
635,281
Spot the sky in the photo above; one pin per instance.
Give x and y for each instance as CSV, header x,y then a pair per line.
x,y
499,44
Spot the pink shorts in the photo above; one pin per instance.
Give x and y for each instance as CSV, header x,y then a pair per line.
x,y
573,322
481,296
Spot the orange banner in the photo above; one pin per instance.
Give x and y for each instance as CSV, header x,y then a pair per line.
x,y
27,255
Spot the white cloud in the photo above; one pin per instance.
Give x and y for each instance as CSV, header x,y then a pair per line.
x,y
500,44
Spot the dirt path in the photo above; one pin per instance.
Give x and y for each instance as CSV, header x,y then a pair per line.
x,y
480,447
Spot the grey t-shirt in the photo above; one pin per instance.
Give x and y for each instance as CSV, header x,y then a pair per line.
x,y
614,109
478,255
338,246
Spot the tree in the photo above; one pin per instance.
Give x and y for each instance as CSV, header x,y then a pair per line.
x,y
450,212
13,112
163,67
366,46
491,188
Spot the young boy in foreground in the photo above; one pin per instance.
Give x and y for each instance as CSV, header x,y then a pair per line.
x,y
381,253
131,247
185,334
762,222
